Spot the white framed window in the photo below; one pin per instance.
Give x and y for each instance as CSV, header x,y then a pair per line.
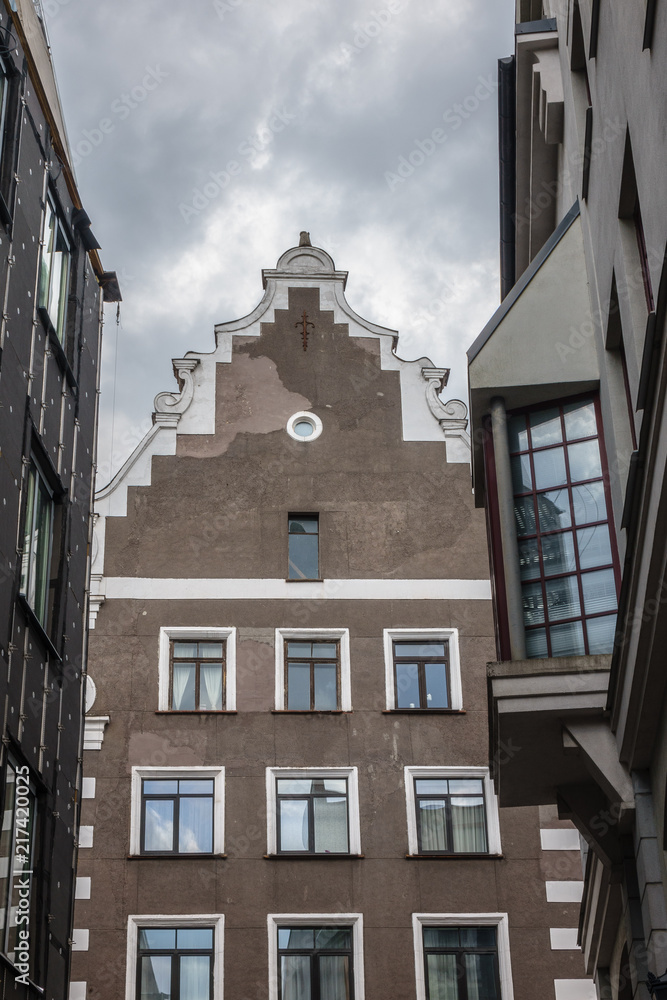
x,y
332,660
353,922
204,957
177,810
312,810
422,669
197,668
451,810
465,954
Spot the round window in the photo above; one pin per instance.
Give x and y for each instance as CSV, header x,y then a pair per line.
x,y
304,426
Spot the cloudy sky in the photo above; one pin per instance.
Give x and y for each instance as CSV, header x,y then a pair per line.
x,y
207,134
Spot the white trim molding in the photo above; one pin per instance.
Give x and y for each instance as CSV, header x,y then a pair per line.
x,y
354,921
136,921
498,920
352,775
218,775
448,635
307,417
197,634
340,635
490,801
136,588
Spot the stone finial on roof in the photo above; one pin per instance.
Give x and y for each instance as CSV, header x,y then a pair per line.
x,y
304,239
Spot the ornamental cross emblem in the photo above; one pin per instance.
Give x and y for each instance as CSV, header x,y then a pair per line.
x,y
304,323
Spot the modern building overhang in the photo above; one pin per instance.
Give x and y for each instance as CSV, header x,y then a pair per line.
x,y
538,345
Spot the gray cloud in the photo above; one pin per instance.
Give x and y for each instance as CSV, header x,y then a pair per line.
x,y
318,104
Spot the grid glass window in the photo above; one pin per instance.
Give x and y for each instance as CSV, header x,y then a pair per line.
x,y
315,963
421,674
177,815
303,547
312,815
566,553
312,677
54,271
197,678
36,559
16,851
451,816
175,963
461,963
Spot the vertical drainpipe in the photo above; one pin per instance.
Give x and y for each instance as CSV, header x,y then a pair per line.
x,y
507,529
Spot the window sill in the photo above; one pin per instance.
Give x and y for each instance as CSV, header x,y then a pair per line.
x,y
309,711
424,711
455,857
176,857
196,711
314,857
35,623
317,579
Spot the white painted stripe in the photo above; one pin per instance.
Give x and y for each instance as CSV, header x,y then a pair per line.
x,y
80,939
575,989
164,589
88,788
86,836
83,885
564,892
564,938
77,991
560,840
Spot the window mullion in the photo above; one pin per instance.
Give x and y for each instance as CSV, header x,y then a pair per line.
x,y
311,824
176,833
312,685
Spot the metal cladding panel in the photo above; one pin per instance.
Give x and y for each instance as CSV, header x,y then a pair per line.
x,y
69,416
9,502
13,388
51,720
71,722
34,667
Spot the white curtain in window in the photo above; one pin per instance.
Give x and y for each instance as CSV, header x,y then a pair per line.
x,y
195,977
468,826
180,683
295,976
481,977
330,817
334,977
195,834
210,694
433,825
442,978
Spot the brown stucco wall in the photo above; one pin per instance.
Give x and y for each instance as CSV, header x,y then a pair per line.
x,y
388,509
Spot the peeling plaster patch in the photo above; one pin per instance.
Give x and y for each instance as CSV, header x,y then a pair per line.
x,y
257,635
250,399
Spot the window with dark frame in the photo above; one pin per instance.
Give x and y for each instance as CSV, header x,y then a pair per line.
x,y
312,815
451,816
315,963
16,842
197,676
461,963
54,270
175,963
312,675
421,674
37,543
303,547
566,550
177,815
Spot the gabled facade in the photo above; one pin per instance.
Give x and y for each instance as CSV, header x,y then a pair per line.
x,y
566,389
52,287
287,788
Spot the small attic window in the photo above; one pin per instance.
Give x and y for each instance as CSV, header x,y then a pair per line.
x,y
304,426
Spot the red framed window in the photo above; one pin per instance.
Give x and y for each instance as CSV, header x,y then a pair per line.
x,y
567,553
